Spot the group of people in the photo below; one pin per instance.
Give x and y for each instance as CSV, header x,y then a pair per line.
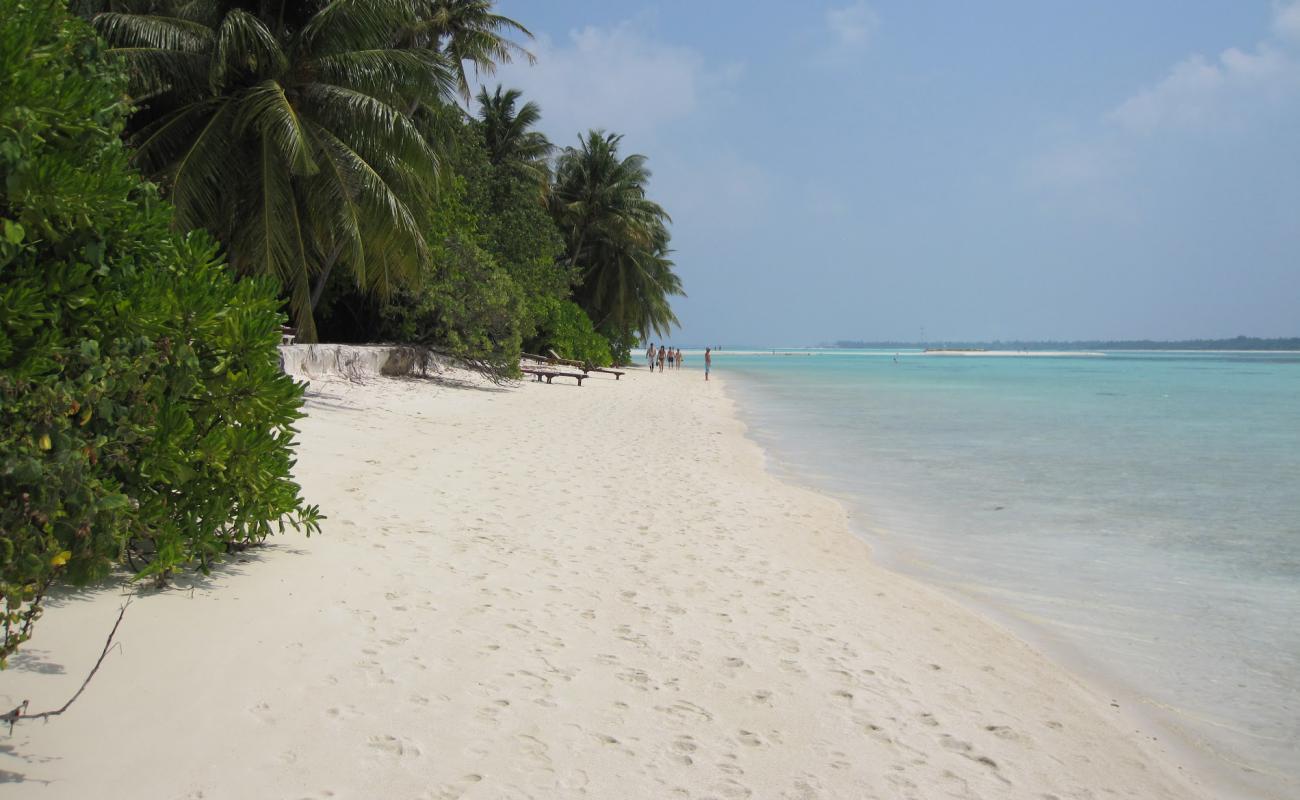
x,y
674,359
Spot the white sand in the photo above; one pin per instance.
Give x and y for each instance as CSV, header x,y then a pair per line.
x,y
556,592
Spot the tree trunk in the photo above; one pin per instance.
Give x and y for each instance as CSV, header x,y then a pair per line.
x,y
325,274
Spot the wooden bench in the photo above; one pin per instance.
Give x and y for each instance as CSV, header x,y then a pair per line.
x,y
550,374
554,359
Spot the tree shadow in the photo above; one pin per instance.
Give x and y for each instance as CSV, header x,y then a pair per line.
x,y
12,776
190,581
30,659
442,380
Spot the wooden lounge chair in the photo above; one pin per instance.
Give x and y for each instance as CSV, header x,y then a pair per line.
x,y
550,374
549,360
585,366
568,362
554,360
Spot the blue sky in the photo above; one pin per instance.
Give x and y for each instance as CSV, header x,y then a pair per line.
x,y
1032,169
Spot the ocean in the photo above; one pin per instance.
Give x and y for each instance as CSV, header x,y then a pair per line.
x,y
1135,514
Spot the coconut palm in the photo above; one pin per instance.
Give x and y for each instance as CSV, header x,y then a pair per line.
x,y
510,143
279,129
628,288
468,31
616,237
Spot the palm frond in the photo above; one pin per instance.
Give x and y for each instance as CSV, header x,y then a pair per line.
x,y
343,25
244,47
397,77
266,108
159,144
384,219
367,124
200,185
155,70
147,30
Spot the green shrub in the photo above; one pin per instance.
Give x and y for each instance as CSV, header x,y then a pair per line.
x,y
142,411
468,307
566,328
466,304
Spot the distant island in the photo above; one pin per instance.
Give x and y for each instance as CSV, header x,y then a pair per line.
x,y
1237,343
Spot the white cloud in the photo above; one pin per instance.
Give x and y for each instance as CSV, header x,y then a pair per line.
x,y
617,79
853,25
1286,20
1198,92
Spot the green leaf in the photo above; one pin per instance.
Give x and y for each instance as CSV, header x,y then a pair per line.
x,y
13,232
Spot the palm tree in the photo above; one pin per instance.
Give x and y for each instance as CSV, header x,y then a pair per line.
x,y
511,144
468,31
629,290
279,130
616,237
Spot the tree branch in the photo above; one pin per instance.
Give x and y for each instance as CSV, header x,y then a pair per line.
x,y
20,712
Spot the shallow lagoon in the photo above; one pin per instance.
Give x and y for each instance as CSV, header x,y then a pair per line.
x,y
1139,510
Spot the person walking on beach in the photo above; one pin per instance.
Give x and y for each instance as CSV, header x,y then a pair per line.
x,y
680,358
663,353
650,357
708,361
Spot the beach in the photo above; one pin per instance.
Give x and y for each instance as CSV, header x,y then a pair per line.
x,y
550,591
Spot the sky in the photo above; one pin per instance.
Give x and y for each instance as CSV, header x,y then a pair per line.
x,y
924,170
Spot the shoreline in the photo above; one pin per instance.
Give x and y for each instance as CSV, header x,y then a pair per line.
x,y
489,613
1183,749
1227,776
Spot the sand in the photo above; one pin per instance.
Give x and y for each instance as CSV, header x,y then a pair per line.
x,y
557,592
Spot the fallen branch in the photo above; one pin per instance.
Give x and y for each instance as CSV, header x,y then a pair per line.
x,y
20,712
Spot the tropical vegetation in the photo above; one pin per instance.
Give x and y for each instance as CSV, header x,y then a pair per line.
x,y
143,415
178,178
325,145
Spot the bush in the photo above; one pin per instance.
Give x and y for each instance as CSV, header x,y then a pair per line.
x,y
565,327
468,307
142,411
466,304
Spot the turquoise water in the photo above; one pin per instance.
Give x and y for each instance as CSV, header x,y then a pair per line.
x,y
1141,511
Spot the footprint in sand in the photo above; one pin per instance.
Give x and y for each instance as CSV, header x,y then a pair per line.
x,y
263,712
749,738
456,789
686,710
1003,732
342,712
732,789
394,746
